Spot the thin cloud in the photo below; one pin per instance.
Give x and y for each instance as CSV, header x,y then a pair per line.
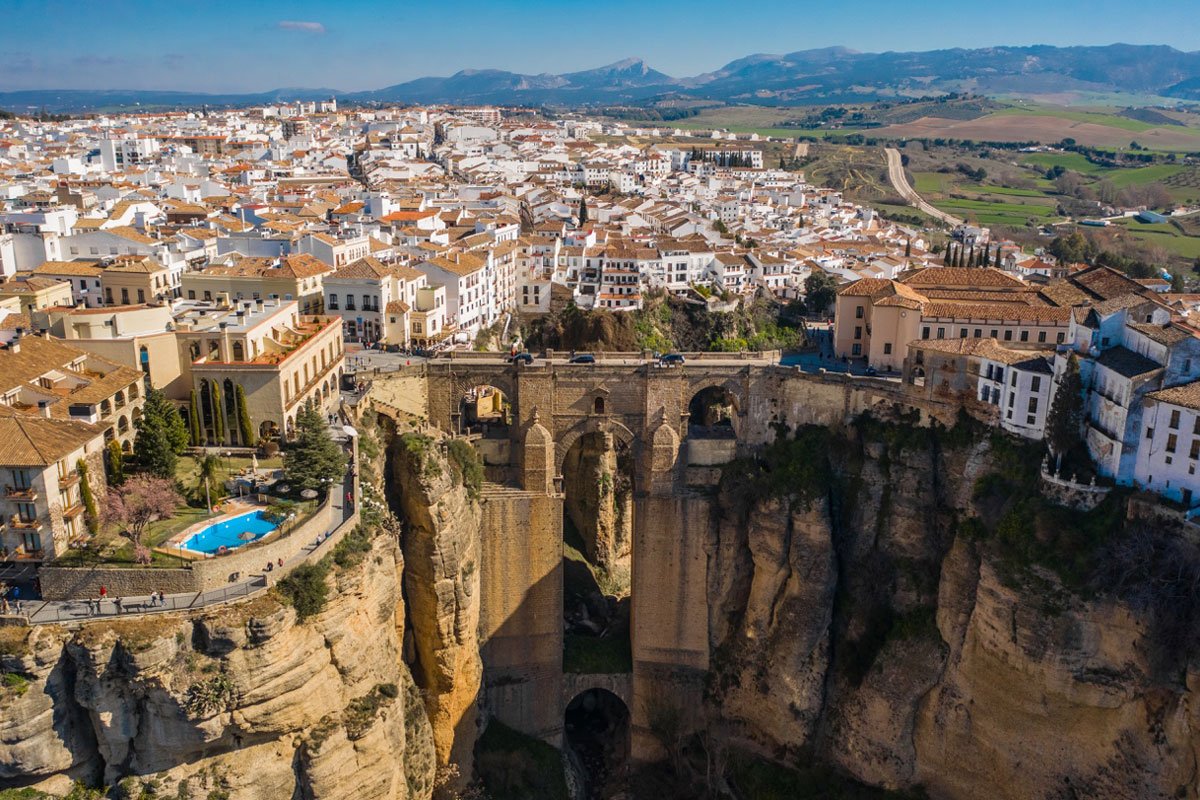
x,y
298,25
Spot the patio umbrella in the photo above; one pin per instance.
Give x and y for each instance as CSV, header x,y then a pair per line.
x,y
309,494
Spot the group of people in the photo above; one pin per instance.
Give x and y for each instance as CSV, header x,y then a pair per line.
x,y
272,564
95,604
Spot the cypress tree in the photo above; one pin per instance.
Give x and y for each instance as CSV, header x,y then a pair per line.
x,y
218,409
91,513
583,210
245,428
194,420
116,463
908,249
971,257
1064,422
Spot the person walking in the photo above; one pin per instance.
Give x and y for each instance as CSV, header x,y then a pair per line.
x,y
117,604
103,593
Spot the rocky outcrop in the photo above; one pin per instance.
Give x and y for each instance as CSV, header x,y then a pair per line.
x,y
599,500
865,629
245,698
441,585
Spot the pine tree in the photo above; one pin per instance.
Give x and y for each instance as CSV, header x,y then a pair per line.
x,y
245,428
583,211
1064,422
161,436
314,458
194,420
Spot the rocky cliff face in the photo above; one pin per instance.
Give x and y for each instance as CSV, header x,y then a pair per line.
x,y
863,627
441,584
599,500
244,699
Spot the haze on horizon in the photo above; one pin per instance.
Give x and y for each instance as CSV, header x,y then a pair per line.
x,y
222,46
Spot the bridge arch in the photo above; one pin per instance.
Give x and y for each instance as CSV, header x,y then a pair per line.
x,y
714,408
597,727
564,442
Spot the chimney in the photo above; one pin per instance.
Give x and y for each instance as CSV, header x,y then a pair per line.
x,y
44,408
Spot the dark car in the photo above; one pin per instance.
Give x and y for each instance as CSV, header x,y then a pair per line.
x,y
671,359
520,358
872,371
586,358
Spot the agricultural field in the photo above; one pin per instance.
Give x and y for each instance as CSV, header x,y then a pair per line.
x,y
1181,239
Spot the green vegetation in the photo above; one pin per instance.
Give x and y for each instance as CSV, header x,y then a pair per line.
x,y
797,468
114,461
245,427
314,460
209,696
361,712
305,589
349,552
467,464
91,513
514,766
161,438
14,682
598,655
668,324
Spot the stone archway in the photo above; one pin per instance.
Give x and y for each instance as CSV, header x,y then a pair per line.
x,y
596,727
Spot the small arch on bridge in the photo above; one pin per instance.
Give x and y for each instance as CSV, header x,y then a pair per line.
x,y
484,408
563,445
714,412
596,724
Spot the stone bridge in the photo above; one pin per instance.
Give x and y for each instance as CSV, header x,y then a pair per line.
x,y
547,406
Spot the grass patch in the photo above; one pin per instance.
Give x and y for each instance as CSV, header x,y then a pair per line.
x,y
598,655
14,640
514,766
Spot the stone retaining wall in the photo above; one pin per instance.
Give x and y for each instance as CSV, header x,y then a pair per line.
x,y
251,559
1065,492
70,583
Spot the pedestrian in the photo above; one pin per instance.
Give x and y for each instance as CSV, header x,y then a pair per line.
x,y
103,592
280,562
20,607
117,604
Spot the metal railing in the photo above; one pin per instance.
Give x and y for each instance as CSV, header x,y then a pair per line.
x,y
86,609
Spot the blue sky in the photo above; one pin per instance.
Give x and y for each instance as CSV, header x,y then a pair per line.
x,y
255,45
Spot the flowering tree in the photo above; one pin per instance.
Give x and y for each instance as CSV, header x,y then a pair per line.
x,y
136,503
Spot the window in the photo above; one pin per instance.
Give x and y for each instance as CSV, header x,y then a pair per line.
x,y
1008,336
1033,403
1041,337
979,333
962,333
1104,342
857,332
925,332
349,302
1149,433
941,333
1012,379
856,350
994,333
333,302
1012,399
1195,452
887,348
1174,425
1035,385
858,312
1172,440
999,375
125,297
141,295
1062,337
191,294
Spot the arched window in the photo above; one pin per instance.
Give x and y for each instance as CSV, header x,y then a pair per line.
x,y
123,425
598,405
239,351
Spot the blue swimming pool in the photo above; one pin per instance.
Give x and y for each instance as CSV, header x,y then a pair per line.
x,y
228,533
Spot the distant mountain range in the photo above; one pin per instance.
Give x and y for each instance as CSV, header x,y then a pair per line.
x,y
807,77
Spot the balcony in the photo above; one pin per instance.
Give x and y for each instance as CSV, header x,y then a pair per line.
x,y
69,481
16,523
27,493
73,510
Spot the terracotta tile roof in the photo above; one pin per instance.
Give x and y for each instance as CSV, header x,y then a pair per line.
x,y
81,269
1186,395
984,348
1042,315
961,277
34,441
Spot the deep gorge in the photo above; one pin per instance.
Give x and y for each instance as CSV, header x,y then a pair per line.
x,y
892,608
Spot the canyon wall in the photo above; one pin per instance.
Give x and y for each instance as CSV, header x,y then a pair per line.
x,y
244,699
861,626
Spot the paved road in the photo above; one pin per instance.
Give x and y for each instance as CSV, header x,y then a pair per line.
x,y
900,183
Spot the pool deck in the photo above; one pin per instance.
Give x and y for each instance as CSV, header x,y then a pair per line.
x,y
229,509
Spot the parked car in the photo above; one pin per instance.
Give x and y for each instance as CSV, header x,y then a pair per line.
x,y
585,358
671,359
521,358
872,371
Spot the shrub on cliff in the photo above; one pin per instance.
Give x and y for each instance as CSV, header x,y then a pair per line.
x,y
514,766
468,465
306,589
